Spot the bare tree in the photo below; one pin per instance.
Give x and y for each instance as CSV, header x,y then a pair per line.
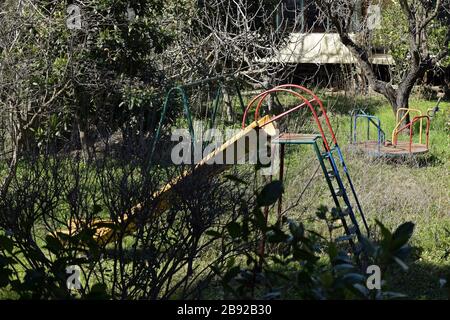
x,y
223,37
29,91
420,15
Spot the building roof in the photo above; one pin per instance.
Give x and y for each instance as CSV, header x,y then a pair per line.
x,y
321,48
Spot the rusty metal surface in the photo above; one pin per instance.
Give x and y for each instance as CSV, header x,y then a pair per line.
x,y
401,149
296,138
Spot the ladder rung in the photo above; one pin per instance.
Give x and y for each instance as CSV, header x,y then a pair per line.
x,y
358,248
353,230
339,192
325,155
345,212
338,224
345,238
331,174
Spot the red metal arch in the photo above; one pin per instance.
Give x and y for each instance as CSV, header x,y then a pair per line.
x,y
287,88
410,125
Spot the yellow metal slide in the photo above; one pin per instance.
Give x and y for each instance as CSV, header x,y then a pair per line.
x,y
105,233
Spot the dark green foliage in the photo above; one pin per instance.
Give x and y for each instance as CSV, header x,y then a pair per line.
x,y
270,194
301,263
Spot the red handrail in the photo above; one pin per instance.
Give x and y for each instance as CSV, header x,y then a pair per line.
x,y
287,88
319,102
410,126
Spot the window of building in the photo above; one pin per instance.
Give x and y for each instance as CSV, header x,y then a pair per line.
x,y
303,16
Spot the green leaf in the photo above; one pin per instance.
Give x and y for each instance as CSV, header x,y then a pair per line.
x,y
234,229
86,235
4,277
53,244
298,231
368,247
5,261
402,235
344,268
321,212
272,295
301,254
260,220
104,224
353,278
279,274
37,255
342,258
393,295
34,277
230,263
403,253
276,236
231,274
6,243
213,233
216,270
245,230
235,179
98,292
270,193
360,290
64,237
277,260
332,251
387,236
96,209
401,263
304,278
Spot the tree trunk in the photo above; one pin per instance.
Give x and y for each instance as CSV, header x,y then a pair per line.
x,y
82,121
404,91
267,86
398,99
26,139
228,105
82,132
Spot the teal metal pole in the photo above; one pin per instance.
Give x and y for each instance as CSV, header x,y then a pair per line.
x,y
187,113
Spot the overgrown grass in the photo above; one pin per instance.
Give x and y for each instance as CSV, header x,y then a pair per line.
x,y
416,190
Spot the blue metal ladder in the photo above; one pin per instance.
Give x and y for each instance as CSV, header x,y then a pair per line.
x,y
342,190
